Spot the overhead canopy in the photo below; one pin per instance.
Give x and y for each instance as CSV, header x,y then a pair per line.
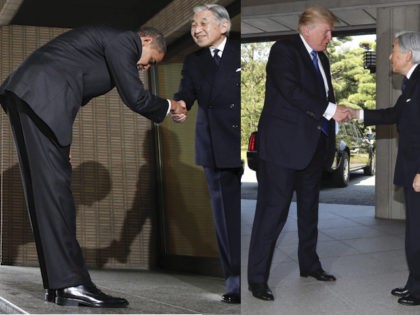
x,y
264,19
127,14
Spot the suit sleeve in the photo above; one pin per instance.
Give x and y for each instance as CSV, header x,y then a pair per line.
x,y
385,116
122,54
186,90
287,79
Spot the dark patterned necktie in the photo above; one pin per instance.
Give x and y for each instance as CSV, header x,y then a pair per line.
x,y
325,123
216,56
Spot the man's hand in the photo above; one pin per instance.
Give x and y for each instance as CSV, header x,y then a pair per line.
x,y
178,111
355,113
178,107
342,114
416,183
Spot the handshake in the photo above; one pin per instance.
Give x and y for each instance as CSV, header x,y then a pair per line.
x,y
178,111
343,114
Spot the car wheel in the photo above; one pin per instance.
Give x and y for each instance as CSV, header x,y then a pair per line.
x,y
371,168
342,173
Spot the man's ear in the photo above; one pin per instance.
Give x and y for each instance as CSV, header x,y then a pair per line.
x,y
305,30
223,27
146,40
409,55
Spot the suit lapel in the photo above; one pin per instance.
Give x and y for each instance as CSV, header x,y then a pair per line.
x,y
207,66
226,68
307,58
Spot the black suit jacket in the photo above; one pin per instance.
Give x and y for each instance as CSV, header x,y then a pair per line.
x,y
76,66
290,122
406,115
217,90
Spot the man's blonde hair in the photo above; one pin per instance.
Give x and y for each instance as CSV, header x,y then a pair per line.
x,y
314,15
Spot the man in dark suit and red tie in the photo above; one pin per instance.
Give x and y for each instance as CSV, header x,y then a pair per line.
x,y
211,76
296,141
405,58
42,97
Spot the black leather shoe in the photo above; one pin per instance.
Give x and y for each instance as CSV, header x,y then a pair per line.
x,y
409,300
400,292
231,298
87,295
50,295
261,291
320,275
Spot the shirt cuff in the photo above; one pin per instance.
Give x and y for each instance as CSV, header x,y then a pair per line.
x,y
330,111
169,107
362,115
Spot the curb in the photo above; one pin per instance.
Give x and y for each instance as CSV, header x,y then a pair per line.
x,y
7,307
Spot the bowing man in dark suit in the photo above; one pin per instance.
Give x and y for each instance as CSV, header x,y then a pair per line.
x,y
296,140
405,58
42,97
211,76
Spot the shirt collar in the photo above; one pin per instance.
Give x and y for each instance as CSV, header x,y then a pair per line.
x,y
410,72
221,47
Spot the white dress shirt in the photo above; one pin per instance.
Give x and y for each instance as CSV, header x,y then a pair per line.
x,y
331,108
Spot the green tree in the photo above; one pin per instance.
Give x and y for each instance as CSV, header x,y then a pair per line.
x,y
253,61
354,85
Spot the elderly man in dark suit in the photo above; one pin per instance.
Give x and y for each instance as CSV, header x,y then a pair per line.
x,y
296,140
42,97
211,76
405,58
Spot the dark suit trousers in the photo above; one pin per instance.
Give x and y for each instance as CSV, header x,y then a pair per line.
x,y
225,193
412,237
275,190
46,176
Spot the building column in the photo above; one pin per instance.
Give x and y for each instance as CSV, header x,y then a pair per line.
x,y
8,9
390,20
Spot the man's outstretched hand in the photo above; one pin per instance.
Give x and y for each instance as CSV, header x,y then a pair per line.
x,y
178,111
178,107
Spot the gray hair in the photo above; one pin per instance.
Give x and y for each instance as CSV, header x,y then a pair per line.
x,y
159,39
219,12
409,41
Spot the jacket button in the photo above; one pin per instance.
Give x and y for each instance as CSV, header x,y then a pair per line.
x,y
318,127
231,105
235,126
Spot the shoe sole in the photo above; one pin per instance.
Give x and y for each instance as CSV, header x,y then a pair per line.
x,y
75,302
326,280
262,298
408,303
231,301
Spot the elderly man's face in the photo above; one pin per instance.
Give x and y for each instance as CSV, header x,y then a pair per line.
x,y
318,35
400,61
206,30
